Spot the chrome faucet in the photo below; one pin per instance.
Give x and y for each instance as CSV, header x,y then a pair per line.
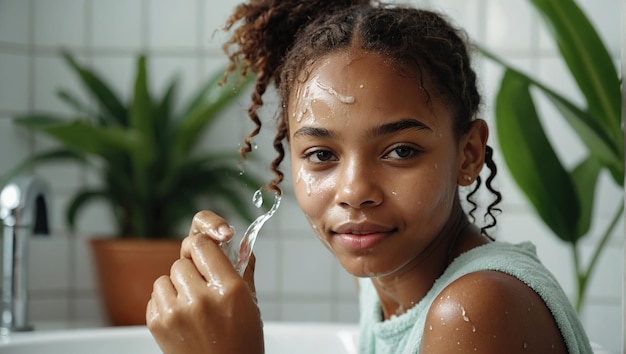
x,y
24,212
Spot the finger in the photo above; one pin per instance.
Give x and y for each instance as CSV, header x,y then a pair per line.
x,y
208,259
163,295
186,279
152,312
208,223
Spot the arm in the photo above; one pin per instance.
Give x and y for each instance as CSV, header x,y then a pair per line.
x,y
204,306
490,312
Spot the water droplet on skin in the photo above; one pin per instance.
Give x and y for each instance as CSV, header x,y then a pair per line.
x,y
525,345
467,319
361,86
430,327
342,98
306,178
463,313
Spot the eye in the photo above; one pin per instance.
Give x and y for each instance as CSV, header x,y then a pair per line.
x,y
401,152
319,156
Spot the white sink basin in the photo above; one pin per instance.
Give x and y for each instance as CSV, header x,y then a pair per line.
x,y
280,338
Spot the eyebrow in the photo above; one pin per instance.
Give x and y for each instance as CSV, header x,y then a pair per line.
x,y
314,132
385,129
394,127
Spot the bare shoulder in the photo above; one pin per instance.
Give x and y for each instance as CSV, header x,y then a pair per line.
x,y
490,312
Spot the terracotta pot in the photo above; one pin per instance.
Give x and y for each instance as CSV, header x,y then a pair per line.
x,y
126,270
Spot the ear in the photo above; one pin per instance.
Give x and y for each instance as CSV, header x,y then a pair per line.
x,y
472,148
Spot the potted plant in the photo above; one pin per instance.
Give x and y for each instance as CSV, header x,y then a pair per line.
x,y
562,197
153,175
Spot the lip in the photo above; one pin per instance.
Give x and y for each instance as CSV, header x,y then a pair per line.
x,y
361,236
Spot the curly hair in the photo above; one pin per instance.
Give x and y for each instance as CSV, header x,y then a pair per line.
x,y
278,39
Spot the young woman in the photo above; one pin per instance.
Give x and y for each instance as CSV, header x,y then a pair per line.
x,y
378,111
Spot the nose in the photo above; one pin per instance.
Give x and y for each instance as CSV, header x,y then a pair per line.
x,y
358,186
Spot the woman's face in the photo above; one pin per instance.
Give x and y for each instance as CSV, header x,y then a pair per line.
x,y
374,165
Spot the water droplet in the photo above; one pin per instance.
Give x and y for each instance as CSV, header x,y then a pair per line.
x,y
257,198
430,327
463,313
525,345
361,86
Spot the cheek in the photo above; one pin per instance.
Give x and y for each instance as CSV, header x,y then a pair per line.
x,y
312,189
313,183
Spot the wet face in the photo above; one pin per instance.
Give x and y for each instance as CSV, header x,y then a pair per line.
x,y
374,164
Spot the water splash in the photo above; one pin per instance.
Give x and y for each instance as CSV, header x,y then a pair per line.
x,y
241,256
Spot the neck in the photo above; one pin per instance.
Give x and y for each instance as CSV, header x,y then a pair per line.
x,y
400,292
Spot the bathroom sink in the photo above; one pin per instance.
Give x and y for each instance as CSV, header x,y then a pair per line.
x,y
280,338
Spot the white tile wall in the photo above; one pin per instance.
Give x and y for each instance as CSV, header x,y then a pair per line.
x,y
297,278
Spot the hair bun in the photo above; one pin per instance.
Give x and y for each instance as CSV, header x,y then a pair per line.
x,y
266,29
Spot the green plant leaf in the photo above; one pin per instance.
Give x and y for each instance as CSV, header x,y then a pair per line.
x,y
531,159
83,136
141,106
604,147
585,177
201,97
599,146
202,112
74,102
81,198
163,116
588,59
50,156
99,90
141,120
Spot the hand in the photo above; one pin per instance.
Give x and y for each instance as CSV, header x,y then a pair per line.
x,y
204,306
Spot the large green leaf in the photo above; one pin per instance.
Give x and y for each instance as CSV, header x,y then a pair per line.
x,y
585,177
96,86
81,198
49,156
141,120
83,136
532,160
606,148
163,117
608,152
204,109
588,59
